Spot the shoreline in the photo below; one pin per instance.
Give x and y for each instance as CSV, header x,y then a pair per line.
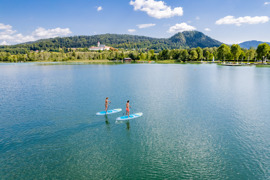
x,y
145,62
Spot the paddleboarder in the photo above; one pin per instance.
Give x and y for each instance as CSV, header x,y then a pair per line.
x,y
127,108
106,103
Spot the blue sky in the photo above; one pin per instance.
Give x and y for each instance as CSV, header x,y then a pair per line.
x,y
229,21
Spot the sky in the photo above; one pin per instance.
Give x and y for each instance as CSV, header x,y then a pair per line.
x,y
229,21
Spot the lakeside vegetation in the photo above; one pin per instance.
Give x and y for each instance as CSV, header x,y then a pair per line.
x,y
223,53
181,47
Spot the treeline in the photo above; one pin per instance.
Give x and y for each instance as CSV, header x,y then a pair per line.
x,y
188,39
127,42
223,52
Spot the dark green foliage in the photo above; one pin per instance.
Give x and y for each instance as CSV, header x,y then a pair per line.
x,y
198,39
263,50
164,55
187,39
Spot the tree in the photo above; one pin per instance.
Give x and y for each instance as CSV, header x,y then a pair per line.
x,y
242,55
142,56
184,55
229,56
133,56
236,51
193,54
175,54
8,57
251,54
223,51
164,54
207,55
200,53
263,50
211,56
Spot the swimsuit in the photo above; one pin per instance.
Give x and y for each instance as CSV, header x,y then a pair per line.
x,y
127,109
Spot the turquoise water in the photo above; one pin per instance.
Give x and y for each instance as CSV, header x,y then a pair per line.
x,y
199,122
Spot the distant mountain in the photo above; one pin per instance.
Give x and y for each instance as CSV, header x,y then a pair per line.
x,y
253,43
194,39
187,39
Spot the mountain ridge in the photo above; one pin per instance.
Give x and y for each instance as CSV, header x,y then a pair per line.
x,y
186,39
251,43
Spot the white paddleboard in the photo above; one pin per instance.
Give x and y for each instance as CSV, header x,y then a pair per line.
x,y
109,112
131,116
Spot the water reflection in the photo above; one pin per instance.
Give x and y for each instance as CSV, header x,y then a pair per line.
x,y
128,125
107,123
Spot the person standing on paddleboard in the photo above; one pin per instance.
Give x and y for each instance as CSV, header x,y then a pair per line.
x,y
106,104
127,108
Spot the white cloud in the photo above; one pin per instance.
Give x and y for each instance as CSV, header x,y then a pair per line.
x,y
5,27
99,8
156,9
50,33
207,29
141,26
9,36
267,3
7,31
4,43
242,20
181,27
131,30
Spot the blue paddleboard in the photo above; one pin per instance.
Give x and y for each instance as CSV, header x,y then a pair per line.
x,y
131,116
109,112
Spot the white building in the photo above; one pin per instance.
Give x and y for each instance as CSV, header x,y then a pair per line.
x,y
100,47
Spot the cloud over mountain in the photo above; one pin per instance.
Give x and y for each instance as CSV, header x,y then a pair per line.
x,y
181,27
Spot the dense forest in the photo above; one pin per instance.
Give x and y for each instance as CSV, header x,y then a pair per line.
x,y
187,39
223,53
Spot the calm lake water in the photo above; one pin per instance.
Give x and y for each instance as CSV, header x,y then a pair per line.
x,y
199,122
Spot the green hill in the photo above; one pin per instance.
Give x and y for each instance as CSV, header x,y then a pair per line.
x,y
251,44
187,39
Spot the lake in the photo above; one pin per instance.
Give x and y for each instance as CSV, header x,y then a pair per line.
x,y
199,122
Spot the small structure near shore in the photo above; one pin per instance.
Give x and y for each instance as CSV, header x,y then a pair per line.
x,y
127,60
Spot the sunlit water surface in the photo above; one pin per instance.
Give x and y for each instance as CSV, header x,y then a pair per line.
x,y
199,122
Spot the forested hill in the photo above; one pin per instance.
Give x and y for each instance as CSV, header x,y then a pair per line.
x,y
187,39
194,39
251,44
